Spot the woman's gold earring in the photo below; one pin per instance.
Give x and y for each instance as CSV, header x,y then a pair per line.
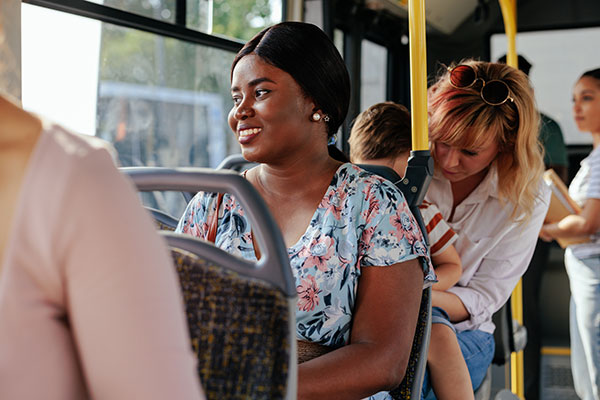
x,y
316,117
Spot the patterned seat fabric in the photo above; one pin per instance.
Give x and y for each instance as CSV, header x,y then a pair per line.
x,y
163,227
239,329
162,220
405,390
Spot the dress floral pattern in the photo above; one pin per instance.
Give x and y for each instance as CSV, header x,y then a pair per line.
x,y
362,221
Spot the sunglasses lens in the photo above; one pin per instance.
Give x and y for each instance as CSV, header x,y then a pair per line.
x,y
462,76
495,92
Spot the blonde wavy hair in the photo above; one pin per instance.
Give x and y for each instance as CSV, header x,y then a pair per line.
x,y
460,117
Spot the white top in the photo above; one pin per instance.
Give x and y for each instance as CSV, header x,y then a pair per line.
x,y
90,306
494,251
586,185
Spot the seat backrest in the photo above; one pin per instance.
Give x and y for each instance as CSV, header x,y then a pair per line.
x,y
163,220
502,336
235,162
242,328
240,313
271,266
412,384
509,335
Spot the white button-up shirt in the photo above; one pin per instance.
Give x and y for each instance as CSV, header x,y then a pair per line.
x,y
495,250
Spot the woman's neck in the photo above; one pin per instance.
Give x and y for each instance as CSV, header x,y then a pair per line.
x,y
595,139
462,189
17,127
19,132
295,177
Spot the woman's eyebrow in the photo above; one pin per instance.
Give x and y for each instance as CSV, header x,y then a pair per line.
x,y
253,83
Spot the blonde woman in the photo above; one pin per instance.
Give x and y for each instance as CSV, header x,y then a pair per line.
x,y
487,186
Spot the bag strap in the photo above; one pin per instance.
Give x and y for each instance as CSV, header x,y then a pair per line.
x,y
214,222
256,249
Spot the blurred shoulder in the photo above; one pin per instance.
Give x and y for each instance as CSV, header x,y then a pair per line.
x,y
74,145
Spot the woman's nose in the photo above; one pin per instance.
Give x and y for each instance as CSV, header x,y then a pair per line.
x,y
243,110
452,157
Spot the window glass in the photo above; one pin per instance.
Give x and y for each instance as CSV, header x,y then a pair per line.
x,y
163,10
373,81
338,40
159,101
239,19
558,58
172,203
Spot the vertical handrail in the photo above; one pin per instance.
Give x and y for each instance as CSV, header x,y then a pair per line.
x,y
419,169
418,74
509,15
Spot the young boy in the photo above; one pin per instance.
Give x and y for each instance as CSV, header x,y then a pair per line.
x,y
381,135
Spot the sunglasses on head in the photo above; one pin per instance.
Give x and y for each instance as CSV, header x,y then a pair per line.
x,y
494,92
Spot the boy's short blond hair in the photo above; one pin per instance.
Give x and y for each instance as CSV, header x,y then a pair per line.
x,y
381,131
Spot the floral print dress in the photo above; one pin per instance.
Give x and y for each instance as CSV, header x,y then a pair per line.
x,y
362,221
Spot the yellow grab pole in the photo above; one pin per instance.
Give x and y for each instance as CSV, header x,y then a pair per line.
x,y
418,74
509,14
517,380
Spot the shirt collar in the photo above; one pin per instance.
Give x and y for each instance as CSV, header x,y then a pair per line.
x,y
487,188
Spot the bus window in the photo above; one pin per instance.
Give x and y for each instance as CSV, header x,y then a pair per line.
x,y
554,72
373,81
162,10
239,19
159,100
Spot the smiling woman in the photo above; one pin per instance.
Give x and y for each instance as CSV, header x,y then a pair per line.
x,y
267,100
357,276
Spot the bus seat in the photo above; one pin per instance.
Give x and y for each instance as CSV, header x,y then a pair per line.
x,y
163,220
242,327
240,314
412,384
235,162
509,336
192,180
506,394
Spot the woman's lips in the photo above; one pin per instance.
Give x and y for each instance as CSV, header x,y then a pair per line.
x,y
247,134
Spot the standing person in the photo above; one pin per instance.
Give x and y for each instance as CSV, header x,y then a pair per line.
x,y
352,241
583,260
381,135
90,305
488,187
555,157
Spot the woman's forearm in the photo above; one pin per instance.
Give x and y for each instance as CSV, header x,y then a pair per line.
x,y
350,372
383,328
451,303
575,225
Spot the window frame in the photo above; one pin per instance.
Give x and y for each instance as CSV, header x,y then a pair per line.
x,y
131,20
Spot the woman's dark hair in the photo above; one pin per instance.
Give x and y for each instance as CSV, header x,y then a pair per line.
x,y
593,73
306,53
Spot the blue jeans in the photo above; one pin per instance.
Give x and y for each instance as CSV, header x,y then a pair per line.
x,y
584,316
477,348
